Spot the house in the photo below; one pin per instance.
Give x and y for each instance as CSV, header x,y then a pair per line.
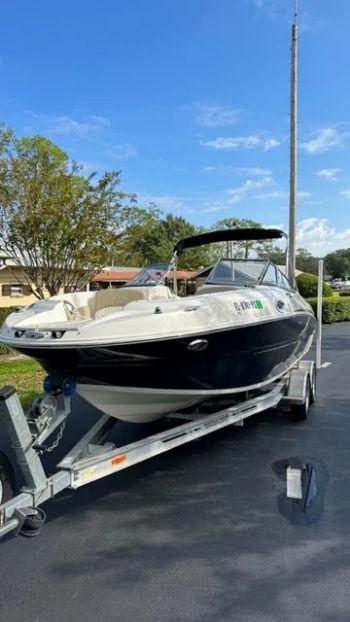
x,y
13,290
117,276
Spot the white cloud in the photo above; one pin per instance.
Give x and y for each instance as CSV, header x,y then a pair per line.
x,y
237,194
67,126
251,141
166,202
304,195
281,194
330,174
216,115
271,143
228,142
253,171
208,169
319,237
122,151
324,139
274,194
346,193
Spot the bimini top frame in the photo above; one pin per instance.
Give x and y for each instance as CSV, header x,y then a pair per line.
x,y
224,235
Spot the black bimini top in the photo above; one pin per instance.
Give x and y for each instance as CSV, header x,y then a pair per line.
x,y
224,235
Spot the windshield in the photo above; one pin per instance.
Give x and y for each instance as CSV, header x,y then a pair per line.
x,y
237,272
149,275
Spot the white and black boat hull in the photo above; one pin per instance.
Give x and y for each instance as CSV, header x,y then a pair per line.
x,y
144,380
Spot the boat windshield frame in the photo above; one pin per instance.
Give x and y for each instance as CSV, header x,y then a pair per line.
x,y
138,280
260,280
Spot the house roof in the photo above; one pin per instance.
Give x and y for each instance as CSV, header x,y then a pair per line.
x,y
116,275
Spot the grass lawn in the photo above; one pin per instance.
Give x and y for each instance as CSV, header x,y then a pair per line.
x,y
25,374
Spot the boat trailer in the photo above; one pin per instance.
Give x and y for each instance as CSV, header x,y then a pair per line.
x,y
91,459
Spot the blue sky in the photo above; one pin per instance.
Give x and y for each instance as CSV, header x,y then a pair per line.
x,y
190,100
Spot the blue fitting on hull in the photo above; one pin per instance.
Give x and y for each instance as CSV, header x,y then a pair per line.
x,y
54,383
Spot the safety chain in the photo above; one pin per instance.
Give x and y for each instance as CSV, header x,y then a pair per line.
x,y
57,439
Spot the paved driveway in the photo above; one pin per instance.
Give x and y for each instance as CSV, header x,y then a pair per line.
x,y
203,533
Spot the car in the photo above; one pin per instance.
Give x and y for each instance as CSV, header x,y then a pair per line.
x,y
340,283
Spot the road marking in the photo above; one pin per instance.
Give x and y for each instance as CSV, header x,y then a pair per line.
x,y
326,364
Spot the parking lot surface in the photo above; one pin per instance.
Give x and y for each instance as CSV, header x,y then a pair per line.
x,y
204,532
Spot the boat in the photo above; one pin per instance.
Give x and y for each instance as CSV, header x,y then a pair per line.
x,y
140,352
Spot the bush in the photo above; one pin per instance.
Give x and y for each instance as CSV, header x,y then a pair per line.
x,y
4,312
344,293
334,309
307,286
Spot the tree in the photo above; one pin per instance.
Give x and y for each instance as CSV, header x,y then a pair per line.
x,y
57,224
244,248
338,263
273,253
176,228
305,261
150,237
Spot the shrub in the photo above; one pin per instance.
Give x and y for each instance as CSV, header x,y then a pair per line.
x,y
347,293
4,312
307,286
334,309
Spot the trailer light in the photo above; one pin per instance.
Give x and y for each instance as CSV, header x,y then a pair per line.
x,y
68,386
119,459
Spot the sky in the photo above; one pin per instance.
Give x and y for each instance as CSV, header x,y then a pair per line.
x,y
189,99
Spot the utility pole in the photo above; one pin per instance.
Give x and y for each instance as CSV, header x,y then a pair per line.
x,y
293,147
229,244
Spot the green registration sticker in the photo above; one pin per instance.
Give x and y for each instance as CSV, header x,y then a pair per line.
x,y
259,304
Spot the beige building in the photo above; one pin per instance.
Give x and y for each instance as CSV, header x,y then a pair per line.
x,y
13,292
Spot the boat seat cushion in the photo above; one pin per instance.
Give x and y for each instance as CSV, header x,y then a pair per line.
x,y
115,299
84,312
110,300
106,311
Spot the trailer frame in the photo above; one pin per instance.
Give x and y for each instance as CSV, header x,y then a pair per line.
x,y
91,459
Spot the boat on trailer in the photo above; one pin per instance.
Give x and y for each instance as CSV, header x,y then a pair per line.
x,y
141,351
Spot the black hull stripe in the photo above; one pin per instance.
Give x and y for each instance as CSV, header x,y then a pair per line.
x,y
244,356
20,346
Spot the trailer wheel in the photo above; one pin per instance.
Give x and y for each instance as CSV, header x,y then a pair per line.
x,y
299,412
7,479
33,523
313,385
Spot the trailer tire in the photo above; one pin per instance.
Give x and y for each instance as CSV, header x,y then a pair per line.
x,y
7,479
313,385
299,412
33,523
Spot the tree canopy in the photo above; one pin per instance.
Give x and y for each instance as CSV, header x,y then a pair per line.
x,y
150,237
56,223
338,263
246,248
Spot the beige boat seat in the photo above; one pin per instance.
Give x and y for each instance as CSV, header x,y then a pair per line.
x,y
108,301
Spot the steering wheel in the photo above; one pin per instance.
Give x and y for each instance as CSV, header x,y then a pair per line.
x,y
69,307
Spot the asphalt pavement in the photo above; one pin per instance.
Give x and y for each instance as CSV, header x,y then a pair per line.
x,y
203,533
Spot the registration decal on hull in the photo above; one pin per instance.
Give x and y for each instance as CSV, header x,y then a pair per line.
x,y
247,305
